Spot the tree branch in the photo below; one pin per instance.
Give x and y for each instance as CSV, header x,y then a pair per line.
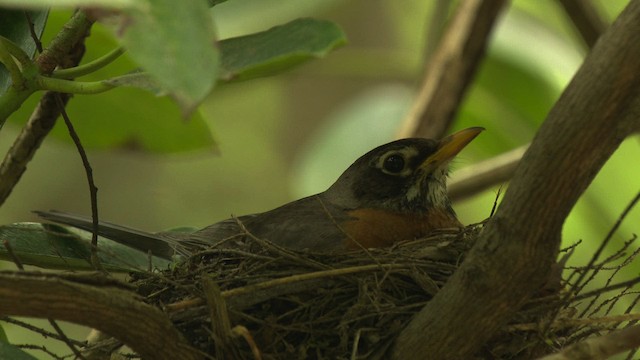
x,y
103,306
451,69
76,29
478,177
472,179
586,19
516,250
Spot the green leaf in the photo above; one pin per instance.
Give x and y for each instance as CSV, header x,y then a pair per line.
x,y
278,48
8,351
57,247
123,118
174,42
14,26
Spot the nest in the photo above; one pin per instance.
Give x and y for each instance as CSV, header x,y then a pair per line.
x,y
259,300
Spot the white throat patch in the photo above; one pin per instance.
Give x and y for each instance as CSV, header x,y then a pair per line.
x,y
437,189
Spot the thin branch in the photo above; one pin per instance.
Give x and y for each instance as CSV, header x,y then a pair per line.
x,y
32,30
586,19
451,69
66,340
471,180
581,282
37,330
76,29
93,190
602,347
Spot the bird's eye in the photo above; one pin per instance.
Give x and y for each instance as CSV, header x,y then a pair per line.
x,y
394,163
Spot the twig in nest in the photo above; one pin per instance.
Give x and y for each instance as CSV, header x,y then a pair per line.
x,y
579,284
66,340
279,249
601,347
243,332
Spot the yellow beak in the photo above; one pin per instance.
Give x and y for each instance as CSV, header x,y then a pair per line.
x,y
449,147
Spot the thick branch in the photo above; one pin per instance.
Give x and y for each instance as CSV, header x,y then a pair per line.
x,y
112,310
514,254
451,68
478,177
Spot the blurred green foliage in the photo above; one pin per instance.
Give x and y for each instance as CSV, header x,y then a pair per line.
x,y
284,137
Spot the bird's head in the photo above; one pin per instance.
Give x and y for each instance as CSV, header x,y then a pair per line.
x,y
406,175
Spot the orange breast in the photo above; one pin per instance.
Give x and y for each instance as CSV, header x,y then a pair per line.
x,y
377,228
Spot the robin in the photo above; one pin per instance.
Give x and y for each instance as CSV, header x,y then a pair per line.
x,y
394,192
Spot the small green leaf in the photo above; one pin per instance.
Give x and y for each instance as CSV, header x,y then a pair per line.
x,y
174,42
8,351
278,48
14,26
57,247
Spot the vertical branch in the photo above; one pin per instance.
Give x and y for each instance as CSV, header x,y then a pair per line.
x,y
586,19
451,68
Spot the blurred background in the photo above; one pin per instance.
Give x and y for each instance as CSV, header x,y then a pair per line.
x,y
291,135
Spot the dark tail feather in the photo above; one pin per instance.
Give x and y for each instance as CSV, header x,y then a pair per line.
x,y
159,245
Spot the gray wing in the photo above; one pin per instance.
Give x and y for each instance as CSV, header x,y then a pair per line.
x,y
306,224
309,223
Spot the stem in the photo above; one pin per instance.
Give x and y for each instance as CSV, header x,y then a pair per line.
x,y
90,67
72,87
7,60
23,58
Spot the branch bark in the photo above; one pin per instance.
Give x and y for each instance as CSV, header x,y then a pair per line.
x,y
451,69
515,252
100,305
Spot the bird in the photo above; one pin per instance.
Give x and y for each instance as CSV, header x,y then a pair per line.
x,y
394,192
